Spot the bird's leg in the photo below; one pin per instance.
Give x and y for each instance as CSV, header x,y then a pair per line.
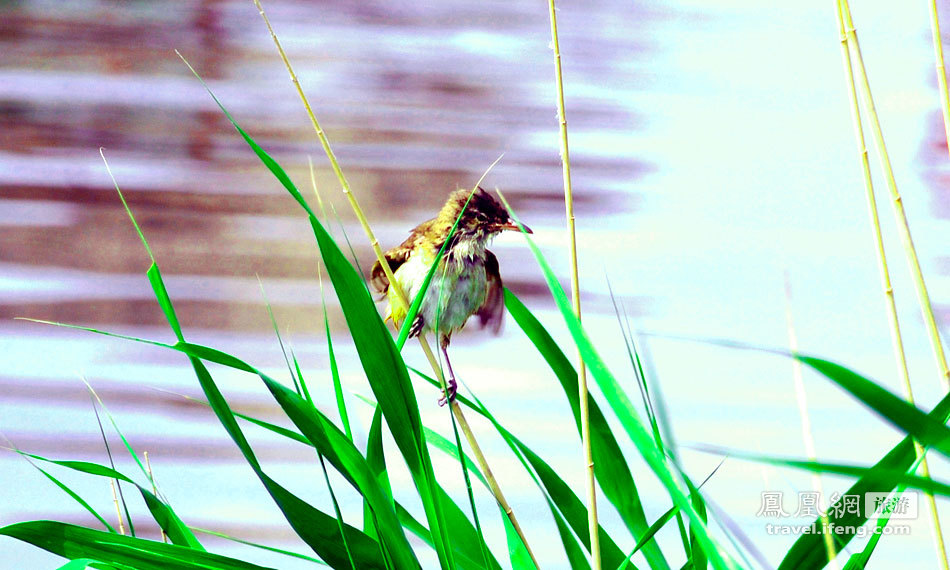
x,y
451,385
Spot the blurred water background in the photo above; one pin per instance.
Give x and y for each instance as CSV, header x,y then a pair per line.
x,y
712,152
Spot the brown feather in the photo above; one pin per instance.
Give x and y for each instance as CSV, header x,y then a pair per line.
x,y
491,314
397,256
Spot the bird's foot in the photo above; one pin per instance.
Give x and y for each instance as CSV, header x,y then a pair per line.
x,y
449,393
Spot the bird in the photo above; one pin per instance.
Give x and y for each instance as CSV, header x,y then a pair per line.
x,y
467,280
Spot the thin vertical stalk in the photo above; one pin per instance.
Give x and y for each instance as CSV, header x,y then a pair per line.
x,y
903,226
848,38
941,69
808,437
118,512
592,525
400,294
148,467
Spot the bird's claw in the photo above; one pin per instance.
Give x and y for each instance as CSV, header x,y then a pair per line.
x,y
448,393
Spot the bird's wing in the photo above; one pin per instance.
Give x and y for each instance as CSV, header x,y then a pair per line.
x,y
396,257
492,312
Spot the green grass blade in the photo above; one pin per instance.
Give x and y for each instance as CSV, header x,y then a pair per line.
x,y
896,410
376,459
260,546
163,514
901,476
321,433
83,563
280,342
115,426
436,440
75,496
520,552
698,559
638,373
318,530
648,535
71,541
337,384
611,469
336,509
116,482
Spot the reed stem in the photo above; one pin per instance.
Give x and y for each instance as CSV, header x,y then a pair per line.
x,y
592,525
148,467
900,214
851,49
400,294
941,69
118,511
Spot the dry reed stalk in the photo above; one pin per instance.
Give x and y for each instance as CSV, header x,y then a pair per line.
x,y
400,295
118,511
148,468
941,69
849,46
592,525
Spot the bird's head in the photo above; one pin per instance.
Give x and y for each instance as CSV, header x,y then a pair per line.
x,y
482,216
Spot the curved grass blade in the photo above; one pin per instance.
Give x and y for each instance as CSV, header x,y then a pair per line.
x,y
896,410
260,546
808,552
902,477
928,429
610,467
519,551
163,514
648,535
71,541
698,559
319,530
117,484
336,509
376,460
83,563
76,498
335,374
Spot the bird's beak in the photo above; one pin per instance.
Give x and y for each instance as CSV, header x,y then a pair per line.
x,y
514,227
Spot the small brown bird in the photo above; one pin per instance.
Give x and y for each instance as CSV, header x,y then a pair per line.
x,y
466,281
